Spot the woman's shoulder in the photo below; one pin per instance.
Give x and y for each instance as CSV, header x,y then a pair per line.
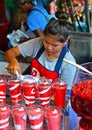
x,y
70,56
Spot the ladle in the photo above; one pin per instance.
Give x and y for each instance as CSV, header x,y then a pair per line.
x,y
78,66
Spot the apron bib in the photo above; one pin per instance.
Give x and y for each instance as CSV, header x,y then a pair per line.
x,y
39,70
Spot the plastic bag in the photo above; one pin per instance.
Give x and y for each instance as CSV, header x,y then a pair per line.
x,y
14,37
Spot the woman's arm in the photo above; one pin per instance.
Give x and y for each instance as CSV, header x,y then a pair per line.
x,y
11,57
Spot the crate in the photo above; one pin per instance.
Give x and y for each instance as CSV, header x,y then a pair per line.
x,y
3,36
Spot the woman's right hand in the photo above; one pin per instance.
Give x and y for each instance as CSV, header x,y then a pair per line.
x,y
11,57
13,67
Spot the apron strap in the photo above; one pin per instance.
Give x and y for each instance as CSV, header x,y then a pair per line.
x,y
40,52
60,59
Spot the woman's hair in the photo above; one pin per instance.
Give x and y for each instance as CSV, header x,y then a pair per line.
x,y
64,17
18,2
58,29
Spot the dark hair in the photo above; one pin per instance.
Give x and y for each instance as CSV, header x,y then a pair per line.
x,y
64,17
18,2
56,28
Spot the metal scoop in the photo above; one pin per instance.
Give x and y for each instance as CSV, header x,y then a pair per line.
x,y
78,66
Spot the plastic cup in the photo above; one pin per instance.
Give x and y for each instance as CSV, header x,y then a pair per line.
x,y
53,116
4,116
59,88
19,117
15,91
28,87
36,115
44,86
2,91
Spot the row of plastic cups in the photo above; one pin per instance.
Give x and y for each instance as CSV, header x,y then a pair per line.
x,y
28,89
36,114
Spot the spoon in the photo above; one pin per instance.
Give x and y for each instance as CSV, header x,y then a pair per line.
x,y
19,76
78,66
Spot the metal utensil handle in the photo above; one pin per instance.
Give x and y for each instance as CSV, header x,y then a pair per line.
x,y
77,65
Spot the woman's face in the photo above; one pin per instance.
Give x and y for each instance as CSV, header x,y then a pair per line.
x,y
52,46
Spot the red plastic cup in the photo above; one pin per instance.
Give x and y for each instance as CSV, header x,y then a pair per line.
x,y
36,115
59,88
15,91
4,116
2,91
28,87
19,117
44,86
53,116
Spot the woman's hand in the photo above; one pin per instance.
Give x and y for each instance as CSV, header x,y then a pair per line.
x,y
13,66
11,57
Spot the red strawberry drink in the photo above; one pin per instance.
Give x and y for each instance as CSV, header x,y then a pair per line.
x,y
2,91
19,117
59,88
4,117
44,86
28,87
53,117
81,101
35,115
15,91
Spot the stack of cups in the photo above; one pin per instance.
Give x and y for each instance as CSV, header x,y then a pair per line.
x,y
2,91
28,87
19,117
15,91
36,115
44,87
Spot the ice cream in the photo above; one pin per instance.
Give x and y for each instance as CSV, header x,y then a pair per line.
x,y
19,117
36,115
4,116
53,118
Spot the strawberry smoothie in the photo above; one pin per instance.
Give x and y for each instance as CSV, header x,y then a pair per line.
x,y
59,88
15,91
19,117
28,87
35,115
2,91
53,117
44,86
4,117
81,102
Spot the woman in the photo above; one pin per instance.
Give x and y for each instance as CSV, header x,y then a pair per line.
x,y
47,54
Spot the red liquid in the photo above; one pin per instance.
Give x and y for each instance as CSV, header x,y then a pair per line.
x,y
2,92
81,101
4,117
59,92
44,94
36,92
19,117
53,118
35,115
15,91
29,93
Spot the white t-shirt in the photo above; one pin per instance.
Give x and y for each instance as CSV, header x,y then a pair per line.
x,y
67,71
